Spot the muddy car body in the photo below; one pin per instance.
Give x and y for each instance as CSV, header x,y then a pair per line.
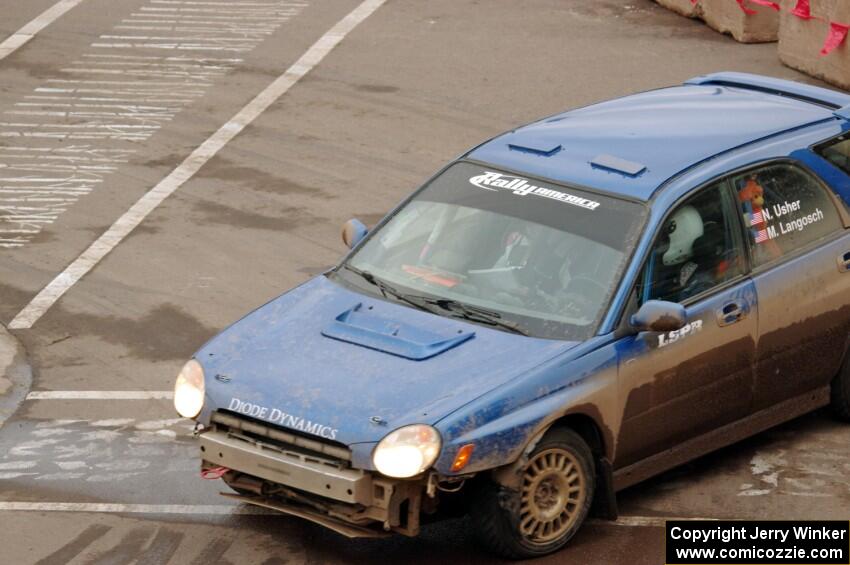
x,y
564,311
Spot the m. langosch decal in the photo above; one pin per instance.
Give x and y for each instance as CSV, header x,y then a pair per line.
x,y
521,187
277,416
786,226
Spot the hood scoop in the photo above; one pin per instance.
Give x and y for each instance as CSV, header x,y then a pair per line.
x,y
369,330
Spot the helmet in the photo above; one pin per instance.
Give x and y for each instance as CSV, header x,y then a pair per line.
x,y
683,229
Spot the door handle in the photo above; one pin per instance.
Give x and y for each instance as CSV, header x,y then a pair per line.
x,y
731,313
844,262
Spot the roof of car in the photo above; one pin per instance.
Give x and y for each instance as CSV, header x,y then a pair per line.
x,y
632,145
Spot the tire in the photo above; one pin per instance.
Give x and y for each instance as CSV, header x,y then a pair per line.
x,y
546,512
840,397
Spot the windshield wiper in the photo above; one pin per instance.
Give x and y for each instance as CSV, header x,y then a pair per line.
x,y
475,314
387,289
458,309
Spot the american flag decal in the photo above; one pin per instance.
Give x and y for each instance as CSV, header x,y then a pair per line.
x,y
762,236
757,218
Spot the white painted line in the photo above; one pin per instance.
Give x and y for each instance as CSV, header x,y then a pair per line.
x,y
131,508
646,521
156,58
228,3
206,151
100,395
203,37
623,521
27,32
185,47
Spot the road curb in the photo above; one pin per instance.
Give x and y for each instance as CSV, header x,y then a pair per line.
x,y
15,374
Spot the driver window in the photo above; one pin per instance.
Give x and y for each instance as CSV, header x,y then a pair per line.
x,y
697,248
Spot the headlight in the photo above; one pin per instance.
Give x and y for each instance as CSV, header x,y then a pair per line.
x,y
189,390
407,451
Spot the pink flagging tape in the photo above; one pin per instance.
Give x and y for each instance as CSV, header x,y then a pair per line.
x,y
837,36
750,12
803,10
768,3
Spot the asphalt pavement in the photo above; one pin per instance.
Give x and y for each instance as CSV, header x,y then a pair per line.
x,y
113,96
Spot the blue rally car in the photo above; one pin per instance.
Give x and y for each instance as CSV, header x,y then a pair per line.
x,y
567,309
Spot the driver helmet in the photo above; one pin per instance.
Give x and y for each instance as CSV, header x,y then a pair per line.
x,y
683,229
517,249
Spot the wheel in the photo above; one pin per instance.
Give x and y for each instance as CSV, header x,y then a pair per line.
x,y
558,482
841,392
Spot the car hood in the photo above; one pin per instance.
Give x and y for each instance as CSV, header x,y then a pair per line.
x,y
328,361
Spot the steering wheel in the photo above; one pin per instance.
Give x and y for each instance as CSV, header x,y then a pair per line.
x,y
587,287
581,296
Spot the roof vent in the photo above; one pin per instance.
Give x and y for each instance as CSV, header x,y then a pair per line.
x,y
611,163
544,151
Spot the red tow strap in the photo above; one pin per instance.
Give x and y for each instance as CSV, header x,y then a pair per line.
x,y
214,472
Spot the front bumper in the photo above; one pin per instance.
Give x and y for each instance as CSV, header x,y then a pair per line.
x,y
290,473
296,470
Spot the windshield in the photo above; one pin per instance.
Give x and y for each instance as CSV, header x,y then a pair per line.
x,y
541,257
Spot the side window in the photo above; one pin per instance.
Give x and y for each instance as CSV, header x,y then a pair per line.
x,y
698,247
837,152
784,208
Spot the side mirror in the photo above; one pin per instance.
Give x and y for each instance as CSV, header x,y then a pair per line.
x,y
659,316
353,231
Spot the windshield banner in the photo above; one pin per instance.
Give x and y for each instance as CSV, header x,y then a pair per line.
x,y
521,187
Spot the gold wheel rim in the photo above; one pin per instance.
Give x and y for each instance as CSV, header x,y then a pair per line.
x,y
553,494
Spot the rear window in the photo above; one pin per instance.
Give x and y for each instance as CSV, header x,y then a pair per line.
x,y
837,152
785,208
